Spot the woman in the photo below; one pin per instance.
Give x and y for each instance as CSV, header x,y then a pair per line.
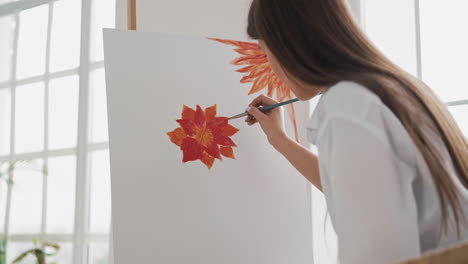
x,y
392,163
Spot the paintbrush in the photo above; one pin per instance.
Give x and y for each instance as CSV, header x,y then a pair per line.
x,y
266,108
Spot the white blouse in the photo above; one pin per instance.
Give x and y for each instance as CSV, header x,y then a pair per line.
x,y
379,191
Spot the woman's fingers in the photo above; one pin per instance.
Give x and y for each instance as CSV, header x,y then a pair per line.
x,y
270,121
257,114
250,120
262,100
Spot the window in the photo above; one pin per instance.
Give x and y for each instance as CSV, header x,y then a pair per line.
x,y
53,114
425,38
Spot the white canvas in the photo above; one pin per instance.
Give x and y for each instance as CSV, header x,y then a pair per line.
x,y
251,210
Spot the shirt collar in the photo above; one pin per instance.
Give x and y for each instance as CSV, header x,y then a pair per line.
x,y
315,121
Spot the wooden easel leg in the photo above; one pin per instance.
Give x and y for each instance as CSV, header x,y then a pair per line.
x,y
132,24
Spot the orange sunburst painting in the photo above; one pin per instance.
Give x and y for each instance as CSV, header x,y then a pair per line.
x,y
203,136
257,70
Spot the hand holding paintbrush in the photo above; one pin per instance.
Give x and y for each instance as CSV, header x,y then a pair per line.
x,y
262,110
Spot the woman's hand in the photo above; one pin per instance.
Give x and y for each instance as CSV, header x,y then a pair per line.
x,y
271,121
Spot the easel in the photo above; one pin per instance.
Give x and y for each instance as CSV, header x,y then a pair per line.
x,y
456,254
131,7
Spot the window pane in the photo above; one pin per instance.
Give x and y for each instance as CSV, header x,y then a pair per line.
x,y
100,192
63,112
3,194
14,249
98,116
5,119
103,16
390,25
61,194
26,200
99,253
6,46
64,255
444,47
460,113
32,42
65,39
29,118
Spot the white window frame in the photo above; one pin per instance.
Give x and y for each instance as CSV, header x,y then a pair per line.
x,y
80,237
359,5
419,62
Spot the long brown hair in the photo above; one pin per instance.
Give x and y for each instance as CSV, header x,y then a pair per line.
x,y
319,42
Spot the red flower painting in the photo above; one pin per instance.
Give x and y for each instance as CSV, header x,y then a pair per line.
x,y
257,71
203,136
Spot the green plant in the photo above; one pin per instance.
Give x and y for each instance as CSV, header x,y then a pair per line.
x,y
6,175
40,251
3,243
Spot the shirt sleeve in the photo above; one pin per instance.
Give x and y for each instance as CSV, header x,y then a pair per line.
x,y
372,205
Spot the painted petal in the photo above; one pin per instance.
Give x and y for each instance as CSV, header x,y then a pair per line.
x,y
259,59
256,68
283,92
259,84
224,141
187,125
217,125
257,72
292,117
177,136
230,130
246,68
213,151
249,51
271,90
210,112
200,118
191,149
227,152
207,160
240,44
188,113
226,41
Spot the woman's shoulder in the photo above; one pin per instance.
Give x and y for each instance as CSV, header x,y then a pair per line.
x,y
348,99
353,103
345,100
